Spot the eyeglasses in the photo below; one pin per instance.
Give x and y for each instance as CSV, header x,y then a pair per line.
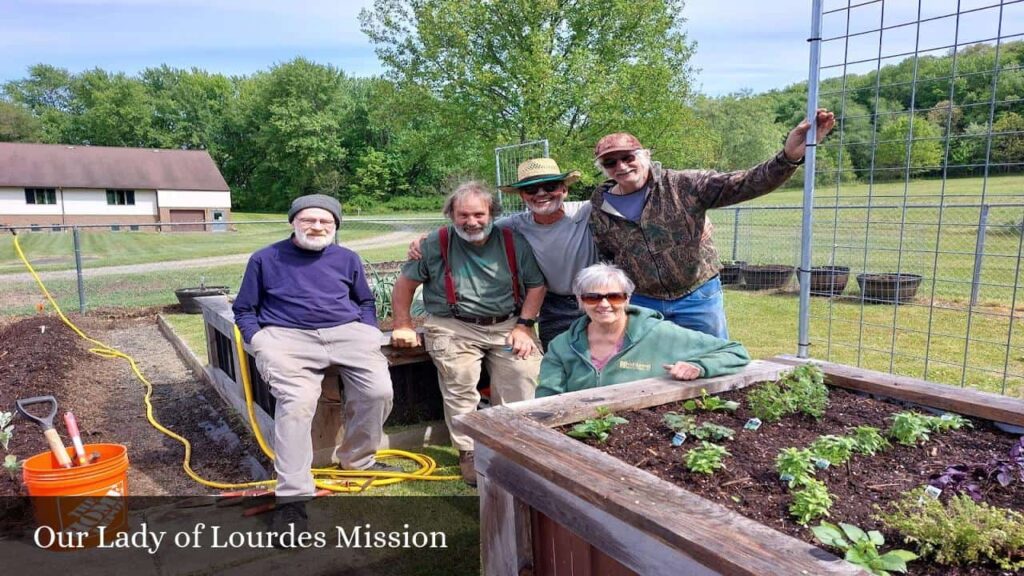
x,y
613,298
612,162
325,222
547,187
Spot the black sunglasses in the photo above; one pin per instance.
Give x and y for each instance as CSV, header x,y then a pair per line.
x,y
547,187
613,298
611,162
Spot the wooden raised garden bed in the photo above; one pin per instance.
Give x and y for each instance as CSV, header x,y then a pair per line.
x,y
551,504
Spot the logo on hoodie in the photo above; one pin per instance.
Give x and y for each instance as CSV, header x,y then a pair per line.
x,y
628,365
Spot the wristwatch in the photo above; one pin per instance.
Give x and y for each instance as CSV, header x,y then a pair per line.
x,y
528,322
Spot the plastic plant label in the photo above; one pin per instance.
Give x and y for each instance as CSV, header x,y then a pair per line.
x,y
678,439
946,416
785,477
821,463
752,424
933,491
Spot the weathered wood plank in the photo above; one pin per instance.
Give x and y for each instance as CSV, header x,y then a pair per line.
x,y
610,492
499,541
965,401
575,406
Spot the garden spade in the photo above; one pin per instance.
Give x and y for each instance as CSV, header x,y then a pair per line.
x,y
46,423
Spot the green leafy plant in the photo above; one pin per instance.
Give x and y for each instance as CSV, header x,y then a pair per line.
x,y
835,449
679,423
811,501
802,389
710,403
868,440
6,429
713,432
861,548
960,532
706,459
794,464
909,428
946,422
599,427
12,465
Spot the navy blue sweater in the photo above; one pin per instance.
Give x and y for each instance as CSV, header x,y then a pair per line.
x,y
285,285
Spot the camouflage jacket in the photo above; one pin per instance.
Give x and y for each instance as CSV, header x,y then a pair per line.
x,y
664,254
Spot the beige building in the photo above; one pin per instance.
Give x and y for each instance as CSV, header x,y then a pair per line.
x,y
48,185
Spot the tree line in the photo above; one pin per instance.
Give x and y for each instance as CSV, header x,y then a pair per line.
x,y
463,77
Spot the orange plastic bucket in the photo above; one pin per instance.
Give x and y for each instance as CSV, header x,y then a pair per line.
x,y
77,501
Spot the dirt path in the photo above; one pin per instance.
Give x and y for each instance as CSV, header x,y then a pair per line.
x,y
390,239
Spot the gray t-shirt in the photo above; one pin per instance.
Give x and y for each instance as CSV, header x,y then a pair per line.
x,y
562,249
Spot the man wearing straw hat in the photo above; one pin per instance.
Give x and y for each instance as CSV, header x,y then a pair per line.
x,y
651,221
482,290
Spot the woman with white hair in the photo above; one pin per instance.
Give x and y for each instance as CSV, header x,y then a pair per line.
x,y
616,342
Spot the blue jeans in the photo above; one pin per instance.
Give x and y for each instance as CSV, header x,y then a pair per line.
x,y
702,310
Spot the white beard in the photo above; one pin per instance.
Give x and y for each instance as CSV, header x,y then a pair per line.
x,y
314,243
475,236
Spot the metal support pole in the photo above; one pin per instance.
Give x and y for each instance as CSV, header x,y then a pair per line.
x,y
497,176
979,254
735,231
803,337
75,235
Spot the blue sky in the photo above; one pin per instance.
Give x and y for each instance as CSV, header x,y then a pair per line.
x,y
756,44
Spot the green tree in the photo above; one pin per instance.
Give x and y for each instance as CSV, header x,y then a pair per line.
x,y
567,71
17,124
1008,140
47,94
744,129
925,146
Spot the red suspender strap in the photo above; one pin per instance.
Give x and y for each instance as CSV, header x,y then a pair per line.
x,y
449,283
510,254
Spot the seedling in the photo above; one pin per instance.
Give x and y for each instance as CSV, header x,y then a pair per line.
x,y
794,464
599,427
679,423
947,422
713,432
710,403
835,449
6,429
868,440
706,459
909,428
862,548
799,390
811,501
11,465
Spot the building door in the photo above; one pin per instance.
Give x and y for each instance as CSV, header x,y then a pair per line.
x,y
220,224
188,216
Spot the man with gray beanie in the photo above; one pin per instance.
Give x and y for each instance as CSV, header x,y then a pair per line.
x,y
304,306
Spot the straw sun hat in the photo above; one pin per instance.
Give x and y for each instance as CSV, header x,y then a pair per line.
x,y
538,171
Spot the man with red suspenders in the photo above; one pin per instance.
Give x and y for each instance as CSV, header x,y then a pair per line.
x,y
482,292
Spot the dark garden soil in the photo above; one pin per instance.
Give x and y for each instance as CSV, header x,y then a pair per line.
x,y
749,484
40,356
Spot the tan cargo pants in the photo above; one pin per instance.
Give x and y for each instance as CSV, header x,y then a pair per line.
x,y
458,349
292,361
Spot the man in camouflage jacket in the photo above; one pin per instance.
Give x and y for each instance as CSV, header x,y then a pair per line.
x,y
650,221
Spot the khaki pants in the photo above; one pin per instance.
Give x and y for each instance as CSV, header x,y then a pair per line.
x,y
292,361
458,348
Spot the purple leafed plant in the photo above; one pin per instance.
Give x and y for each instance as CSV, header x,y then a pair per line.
x,y
958,479
964,479
1005,471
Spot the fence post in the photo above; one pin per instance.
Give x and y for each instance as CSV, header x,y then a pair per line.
x,y
979,254
735,231
78,269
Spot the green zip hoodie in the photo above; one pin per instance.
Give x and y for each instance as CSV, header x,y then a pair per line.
x,y
649,344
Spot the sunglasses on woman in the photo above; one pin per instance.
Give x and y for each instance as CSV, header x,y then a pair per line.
x,y
611,162
613,298
547,187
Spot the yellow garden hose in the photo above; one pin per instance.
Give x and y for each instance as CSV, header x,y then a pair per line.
x,y
326,478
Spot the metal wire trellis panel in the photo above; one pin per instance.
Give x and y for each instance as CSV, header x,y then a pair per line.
x,y
507,160
923,179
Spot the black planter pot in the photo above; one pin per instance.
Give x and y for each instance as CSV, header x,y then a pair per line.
x,y
767,277
187,297
888,288
829,281
732,272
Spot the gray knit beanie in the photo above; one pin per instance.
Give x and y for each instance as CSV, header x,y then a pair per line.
x,y
316,201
